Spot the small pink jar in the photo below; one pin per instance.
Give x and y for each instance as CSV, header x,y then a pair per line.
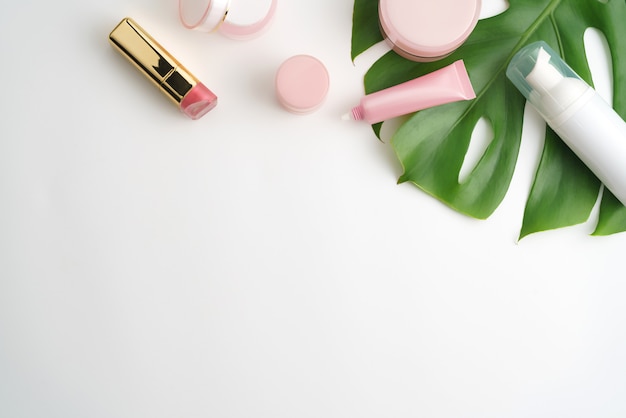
x,y
427,30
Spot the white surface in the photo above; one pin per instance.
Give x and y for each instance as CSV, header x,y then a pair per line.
x,y
256,263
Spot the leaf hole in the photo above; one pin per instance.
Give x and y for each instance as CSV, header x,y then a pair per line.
x,y
390,127
599,58
372,54
491,8
479,142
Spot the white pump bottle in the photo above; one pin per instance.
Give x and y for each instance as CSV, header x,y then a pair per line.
x,y
575,111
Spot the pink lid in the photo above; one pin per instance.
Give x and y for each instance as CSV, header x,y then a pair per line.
x,y
230,18
302,84
244,20
426,30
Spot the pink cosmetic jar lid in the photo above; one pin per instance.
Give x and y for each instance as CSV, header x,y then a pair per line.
x,y
427,30
231,18
302,83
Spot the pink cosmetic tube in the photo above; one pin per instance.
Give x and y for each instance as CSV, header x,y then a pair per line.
x,y
192,97
446,85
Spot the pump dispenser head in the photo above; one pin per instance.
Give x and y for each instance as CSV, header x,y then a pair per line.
x,y
543,76
547,82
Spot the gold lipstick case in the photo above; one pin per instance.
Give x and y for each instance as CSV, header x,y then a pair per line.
x,y
190,95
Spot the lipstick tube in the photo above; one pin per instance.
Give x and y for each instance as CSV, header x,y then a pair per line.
x,y
174,80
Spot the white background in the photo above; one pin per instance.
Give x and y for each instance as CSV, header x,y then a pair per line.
x,y
256,263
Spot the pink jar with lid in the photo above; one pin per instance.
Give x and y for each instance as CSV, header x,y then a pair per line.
x,y
427,30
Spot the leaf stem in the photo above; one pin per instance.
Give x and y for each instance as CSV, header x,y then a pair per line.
x,y
548,12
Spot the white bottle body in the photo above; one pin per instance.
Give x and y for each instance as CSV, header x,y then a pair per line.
x,y
597,135
575,111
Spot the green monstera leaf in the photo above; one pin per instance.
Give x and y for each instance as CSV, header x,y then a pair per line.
x,y
432,144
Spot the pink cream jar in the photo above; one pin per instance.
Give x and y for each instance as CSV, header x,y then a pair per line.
x,y
427,30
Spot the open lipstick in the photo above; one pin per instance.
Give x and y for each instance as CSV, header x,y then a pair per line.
x,y
190,95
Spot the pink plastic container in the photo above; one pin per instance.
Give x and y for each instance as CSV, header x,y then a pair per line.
x,y
427,30
301,83
223,16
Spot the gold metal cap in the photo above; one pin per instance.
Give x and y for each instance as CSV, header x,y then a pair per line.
x,y
152,59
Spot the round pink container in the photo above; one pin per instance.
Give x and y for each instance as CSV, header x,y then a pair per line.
x,y
301,84
427,30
